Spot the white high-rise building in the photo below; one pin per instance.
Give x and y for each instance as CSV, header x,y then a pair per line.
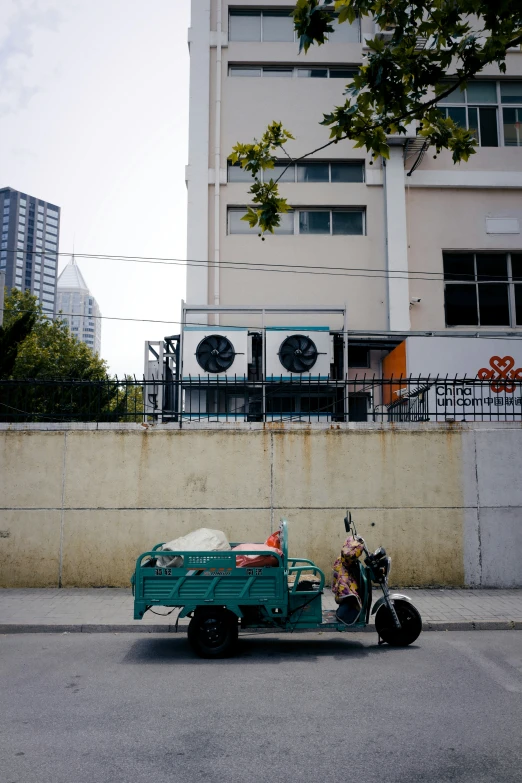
x,y
77,306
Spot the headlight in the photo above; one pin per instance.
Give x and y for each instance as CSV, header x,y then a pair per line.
x,y
382,566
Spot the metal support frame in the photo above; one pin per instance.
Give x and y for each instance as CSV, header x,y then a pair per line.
x,y
263,311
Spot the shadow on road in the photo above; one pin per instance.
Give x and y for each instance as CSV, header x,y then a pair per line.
x,y
257,649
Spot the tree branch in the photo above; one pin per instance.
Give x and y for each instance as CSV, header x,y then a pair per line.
x,y
307,154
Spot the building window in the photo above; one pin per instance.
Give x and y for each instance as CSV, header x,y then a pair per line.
x,y
256,25
277,25
238,226
483,289
477,108
326,73
54,210
316,72
333,171
266,71
511,93
342,221
335,221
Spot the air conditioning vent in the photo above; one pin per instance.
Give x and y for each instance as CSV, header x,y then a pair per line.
x,y
215,354
304,352
298,353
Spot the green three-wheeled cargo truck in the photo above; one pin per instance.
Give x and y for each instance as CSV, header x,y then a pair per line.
x,y
222,598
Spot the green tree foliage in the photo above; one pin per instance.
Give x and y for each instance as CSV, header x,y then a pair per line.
x,y
11,337
45,348
432,49
127,401
259,157
49,375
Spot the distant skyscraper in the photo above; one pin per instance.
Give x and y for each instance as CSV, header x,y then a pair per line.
x,y
78,306
29,245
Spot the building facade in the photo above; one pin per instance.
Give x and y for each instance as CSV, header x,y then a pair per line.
x,y
29,245
78,307
436,249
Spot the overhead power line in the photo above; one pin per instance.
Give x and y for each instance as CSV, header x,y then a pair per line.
x,y
350,332
269,266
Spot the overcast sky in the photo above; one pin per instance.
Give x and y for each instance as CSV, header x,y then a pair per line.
x,y
94,118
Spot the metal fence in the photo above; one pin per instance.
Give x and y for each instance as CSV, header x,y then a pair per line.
x,y
211,399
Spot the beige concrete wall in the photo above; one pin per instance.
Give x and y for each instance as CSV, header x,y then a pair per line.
x,y
78,506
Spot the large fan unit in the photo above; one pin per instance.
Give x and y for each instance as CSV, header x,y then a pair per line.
x,y
305,351
215,353
298,353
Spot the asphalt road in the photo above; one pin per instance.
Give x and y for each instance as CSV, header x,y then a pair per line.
x,y
83,708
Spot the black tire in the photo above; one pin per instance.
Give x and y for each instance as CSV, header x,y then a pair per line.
x,y
410,621
212,633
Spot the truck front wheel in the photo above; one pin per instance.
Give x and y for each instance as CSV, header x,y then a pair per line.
x,y
212,633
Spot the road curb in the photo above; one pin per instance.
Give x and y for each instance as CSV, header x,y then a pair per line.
x,y
14,628
475,625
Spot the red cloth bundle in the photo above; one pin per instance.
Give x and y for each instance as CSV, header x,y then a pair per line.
x,y
258,561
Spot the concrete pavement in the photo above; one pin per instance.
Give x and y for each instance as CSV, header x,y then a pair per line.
x,y
35,610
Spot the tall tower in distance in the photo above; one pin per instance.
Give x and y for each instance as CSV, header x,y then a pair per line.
x,y
29,245
77,306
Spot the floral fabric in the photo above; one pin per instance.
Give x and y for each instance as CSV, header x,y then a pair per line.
x,y
345,570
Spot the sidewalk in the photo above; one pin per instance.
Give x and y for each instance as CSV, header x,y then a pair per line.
x,y
107,610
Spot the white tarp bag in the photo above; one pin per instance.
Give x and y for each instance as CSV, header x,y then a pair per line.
x,y
204,540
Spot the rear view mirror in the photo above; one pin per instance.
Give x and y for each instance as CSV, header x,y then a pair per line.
x,y
348,521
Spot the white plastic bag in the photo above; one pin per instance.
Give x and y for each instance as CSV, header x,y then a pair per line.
x,y
204,540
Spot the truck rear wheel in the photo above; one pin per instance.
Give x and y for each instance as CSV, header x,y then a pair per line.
x,y
213,633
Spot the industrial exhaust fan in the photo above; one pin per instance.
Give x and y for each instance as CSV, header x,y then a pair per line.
x,y
215,353
298,353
